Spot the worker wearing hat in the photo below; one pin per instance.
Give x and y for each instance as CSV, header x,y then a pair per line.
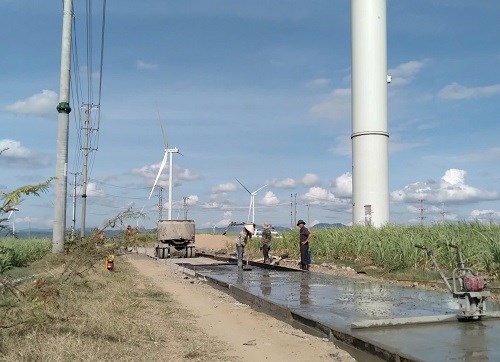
x,y
304,237
241,241
265,245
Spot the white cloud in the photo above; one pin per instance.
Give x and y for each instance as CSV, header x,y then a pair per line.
x,y
457,91
311,179
336,106
142,65
16,155
41,104
318,83
184,174
342,186
405,73
485,214
227,218
287,183
14,149
192,200
318,195
211,205
92,190
270,199
227,187
149,172
451,188
453,177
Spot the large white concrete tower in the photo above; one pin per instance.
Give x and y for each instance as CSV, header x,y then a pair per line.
x,y
370,138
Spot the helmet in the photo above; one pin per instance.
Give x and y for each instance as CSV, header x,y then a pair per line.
x,y
250,228
300,222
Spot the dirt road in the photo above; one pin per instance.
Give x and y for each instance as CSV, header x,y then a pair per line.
x,y
248,334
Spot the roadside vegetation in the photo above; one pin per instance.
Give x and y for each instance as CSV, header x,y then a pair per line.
x,y
20,252
69,307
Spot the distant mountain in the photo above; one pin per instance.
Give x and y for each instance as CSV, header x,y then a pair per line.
x,y
323,225
47,233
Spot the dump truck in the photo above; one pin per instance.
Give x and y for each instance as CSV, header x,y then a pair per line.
x,y
175,239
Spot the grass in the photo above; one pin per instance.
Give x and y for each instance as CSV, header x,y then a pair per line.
x,y
97,315
392,248
21,252
72,308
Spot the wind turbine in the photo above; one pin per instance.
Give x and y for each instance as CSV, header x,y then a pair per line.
x,y
167,155
13,211
251,209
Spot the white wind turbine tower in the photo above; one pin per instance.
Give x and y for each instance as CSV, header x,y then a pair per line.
x,y
13,212
167,155
251,209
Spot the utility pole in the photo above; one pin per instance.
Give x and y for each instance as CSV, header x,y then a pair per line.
x,y
86,152
185,207
73,218
295,204
442,212
422,217
160,203
291,211
63,109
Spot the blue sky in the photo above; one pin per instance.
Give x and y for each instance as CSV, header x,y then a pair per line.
x,y
255,90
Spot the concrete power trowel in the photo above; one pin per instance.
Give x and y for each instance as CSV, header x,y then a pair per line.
x,y
467,288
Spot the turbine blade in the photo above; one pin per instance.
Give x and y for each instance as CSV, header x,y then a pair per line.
x,y
258,189
243,186
163,132
163,162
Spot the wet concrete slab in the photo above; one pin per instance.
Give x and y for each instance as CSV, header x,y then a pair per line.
x,y
330,304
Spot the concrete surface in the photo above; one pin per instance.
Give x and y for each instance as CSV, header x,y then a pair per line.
x,y
328,305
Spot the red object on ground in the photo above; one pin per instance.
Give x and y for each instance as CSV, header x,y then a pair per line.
x,y
110,265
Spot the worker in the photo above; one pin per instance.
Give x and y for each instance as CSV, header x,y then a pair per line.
x,y
128,231
265,245
241,241
304,237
